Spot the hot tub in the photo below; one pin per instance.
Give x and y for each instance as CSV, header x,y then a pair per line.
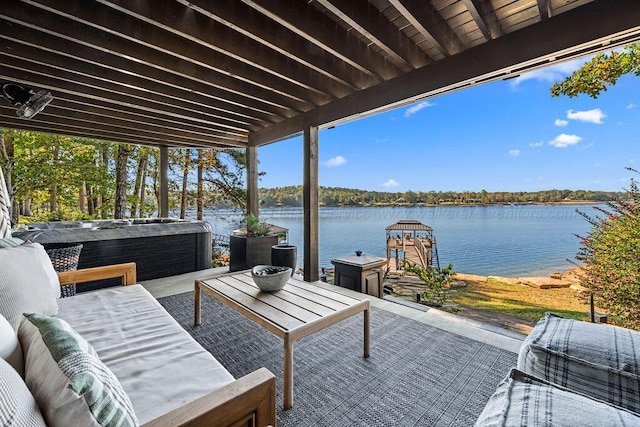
x,y
160,247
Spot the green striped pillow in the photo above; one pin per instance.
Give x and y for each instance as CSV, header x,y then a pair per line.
x,y
70,383
10,242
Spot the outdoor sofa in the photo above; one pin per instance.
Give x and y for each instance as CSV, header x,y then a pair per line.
x,y
570,373
109,356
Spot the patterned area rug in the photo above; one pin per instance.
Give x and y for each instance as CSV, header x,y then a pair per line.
x,y
417,375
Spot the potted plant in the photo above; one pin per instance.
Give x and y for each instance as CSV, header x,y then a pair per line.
x,y
251,245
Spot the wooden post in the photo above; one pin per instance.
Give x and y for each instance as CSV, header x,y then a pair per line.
x,y
163,209
310,203
252,181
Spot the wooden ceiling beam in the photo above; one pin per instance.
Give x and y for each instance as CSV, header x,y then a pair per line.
x,y
184,22
132,117
485,18
526,49
261,29
371,23
131,84
127,27
216,98
544,9
50,125
326,34
128,127
429,23
63,24
41,75
78,120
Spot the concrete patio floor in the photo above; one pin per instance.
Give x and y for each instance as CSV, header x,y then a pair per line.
x,y
489,334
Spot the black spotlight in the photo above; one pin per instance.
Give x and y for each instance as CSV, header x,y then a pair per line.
x,y
29,102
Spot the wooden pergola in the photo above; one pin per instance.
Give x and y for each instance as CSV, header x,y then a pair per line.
x,y
245,73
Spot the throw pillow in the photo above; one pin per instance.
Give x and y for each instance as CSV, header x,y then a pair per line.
x,y
598,360
10,349
17,405
10,242
524,400
68,380
28,283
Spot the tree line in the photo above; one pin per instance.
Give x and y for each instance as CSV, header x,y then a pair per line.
x,y
53,177
291,196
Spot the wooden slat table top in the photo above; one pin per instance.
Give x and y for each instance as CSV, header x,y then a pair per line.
x,y
299,307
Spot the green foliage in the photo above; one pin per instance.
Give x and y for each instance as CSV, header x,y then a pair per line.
x,y
611,253
602,70
255,228
337,196
436,280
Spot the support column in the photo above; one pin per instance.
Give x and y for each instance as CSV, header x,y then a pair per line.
x,y
252,181
163,209
310,203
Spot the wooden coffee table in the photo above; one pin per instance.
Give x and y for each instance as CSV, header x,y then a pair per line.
x,y
299,310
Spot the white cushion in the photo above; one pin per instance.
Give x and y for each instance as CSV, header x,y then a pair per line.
x,y
10,349
17,405
68,380
523,400
598,360
160,366
28,283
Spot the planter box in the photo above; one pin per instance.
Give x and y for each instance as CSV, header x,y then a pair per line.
x,y
247,252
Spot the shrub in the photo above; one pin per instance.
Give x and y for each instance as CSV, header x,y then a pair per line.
x,y
611,256
436,280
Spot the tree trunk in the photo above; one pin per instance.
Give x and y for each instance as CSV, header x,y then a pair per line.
x,y
121,181
81,198
139,185
143,191
185,182
26,209
53,197
104,158
90,202
200,197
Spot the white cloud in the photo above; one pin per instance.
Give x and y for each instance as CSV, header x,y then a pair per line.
x,y
592,116
415,108
561,123
550,74
514,153
536,144
563,140
632,105
335,161
390,183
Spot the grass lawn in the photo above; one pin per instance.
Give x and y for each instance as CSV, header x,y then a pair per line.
x,y
520,300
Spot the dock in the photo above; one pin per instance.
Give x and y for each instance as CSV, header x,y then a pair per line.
x,y
412,241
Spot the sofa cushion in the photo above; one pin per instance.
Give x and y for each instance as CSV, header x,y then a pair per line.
x,y
70,383
28,283
160,366
17,405
524,400
598,360
10,349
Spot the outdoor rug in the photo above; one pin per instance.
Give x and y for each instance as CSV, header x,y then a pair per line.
x,y
417,375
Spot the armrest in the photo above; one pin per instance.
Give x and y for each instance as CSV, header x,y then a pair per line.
x,y
127,272
250,401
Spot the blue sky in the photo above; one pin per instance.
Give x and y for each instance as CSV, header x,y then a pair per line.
x,y
501,136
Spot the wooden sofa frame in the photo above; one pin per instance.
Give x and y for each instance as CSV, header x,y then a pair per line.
x,y
248,401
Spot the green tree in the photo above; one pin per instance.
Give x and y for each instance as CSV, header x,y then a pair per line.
x,y
601,71
611,253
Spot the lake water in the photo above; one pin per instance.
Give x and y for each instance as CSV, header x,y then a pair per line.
x,y
520,240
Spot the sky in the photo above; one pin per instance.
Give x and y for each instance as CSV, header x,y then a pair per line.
x,y
502,136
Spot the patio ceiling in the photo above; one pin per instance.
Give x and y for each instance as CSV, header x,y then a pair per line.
x,y
231,73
